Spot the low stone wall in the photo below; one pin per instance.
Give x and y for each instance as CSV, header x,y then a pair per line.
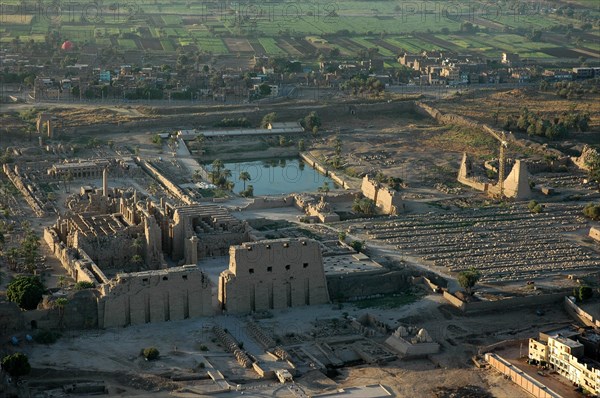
x,y
573,309
164,181
80,312
445,118
11,319
477,185
503,304
519,377
314,163
260,203
361,284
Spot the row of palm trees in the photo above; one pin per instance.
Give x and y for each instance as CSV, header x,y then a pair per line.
x,y
220,176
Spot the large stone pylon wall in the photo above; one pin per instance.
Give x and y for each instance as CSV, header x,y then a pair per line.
x,y
273,274
155,296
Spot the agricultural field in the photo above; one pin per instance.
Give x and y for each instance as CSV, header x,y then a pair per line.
x,y
300,29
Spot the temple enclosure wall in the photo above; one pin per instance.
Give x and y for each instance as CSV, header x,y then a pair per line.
x,y
502,304
188,116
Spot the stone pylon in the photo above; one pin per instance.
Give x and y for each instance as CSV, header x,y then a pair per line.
x,y
516,185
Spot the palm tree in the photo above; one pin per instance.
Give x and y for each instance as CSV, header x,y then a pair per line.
x,y
324,188
217,165
62,280
137,260
225,174
244,176
200,139
60,304
67,178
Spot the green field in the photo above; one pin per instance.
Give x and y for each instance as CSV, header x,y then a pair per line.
x,y
205,24
127,44
270,46
213,45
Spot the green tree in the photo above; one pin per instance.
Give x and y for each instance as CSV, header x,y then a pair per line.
x,y
264,90
535,207
244,176
267,119
593,164
60,304
16,365
137,260
324,188
201,140
81,285
468,279
218,164
342,236
311,121
357,245
26,291
248,192
150,353
583,293
365,206
156,140
301,145
592,211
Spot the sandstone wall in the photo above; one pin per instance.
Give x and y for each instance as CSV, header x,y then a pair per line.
x,y
504,304
386,199
11,319
314,163
351,287
273,274
155,296
164,181
77,263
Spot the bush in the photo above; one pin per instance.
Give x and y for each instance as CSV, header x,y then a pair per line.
x,y
46,337
535,207
357,245
203,348
150,353
16,365
592,211
84,285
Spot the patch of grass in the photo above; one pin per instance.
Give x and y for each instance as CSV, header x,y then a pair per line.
x,y
387,301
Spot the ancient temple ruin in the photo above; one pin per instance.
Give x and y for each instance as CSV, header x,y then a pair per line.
x,y
273,274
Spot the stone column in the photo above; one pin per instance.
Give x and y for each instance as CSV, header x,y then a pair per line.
x,y
191,250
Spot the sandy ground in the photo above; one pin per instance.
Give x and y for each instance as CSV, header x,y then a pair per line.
x,y
116,351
